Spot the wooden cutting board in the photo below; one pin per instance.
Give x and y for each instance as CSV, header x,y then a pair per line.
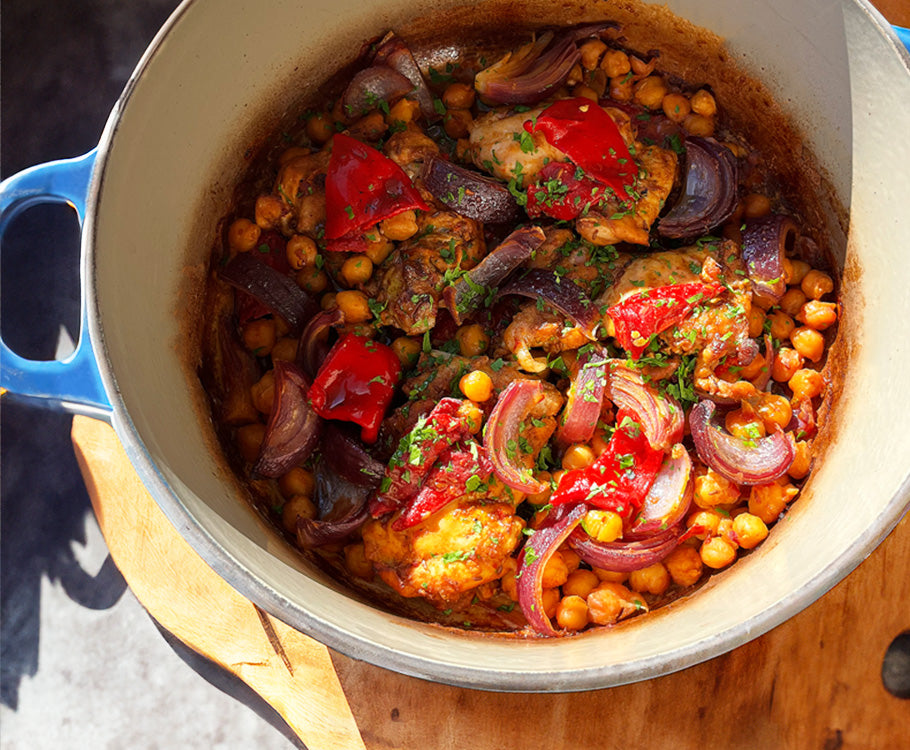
x,y
813,682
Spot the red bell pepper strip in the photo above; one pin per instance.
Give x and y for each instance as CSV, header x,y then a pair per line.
x,y
356,383
560,192
642,315
363,187
462,468
584,132
417,452
621,476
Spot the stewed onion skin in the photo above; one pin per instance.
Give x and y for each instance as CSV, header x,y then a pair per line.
x,y
316,533
708,196
626,556
563,295
394,53
313,346
584,399
502,430
741,461
766,242
370,87
669,498
660,416
293,428
469,192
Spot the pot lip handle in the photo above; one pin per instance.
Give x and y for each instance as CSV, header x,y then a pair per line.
x,y
73,384
902,34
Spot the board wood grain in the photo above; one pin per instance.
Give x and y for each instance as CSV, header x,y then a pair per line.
x,y
813,682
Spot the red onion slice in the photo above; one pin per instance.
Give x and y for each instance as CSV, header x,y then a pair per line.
x,y
293,427
394,53
501,433
584,399
669,498
347,458
564,295
371,86
741,461
624,557
314,345
469,192
660,415
709,191
538,550
766,242
469,291
315,533
273,289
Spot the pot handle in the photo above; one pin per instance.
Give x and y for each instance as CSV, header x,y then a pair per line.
x,y
73,384
903,34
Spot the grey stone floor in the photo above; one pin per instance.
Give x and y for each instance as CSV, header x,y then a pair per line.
x,y
82,665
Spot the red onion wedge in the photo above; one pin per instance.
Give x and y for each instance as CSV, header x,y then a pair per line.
x,y
741,461
469,291
501,433
624,557
584,399
660,415
469,192
538,550
766,242
313,346
347,458
708,197
276,291
668,500
293,428
394,53
531,73
563,295
371,87
315,533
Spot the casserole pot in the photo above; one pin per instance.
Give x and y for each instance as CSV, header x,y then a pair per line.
x,y
152,192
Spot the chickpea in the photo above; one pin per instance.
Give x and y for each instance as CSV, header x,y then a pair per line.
x,y
743,423
781,325
311,279
750,530
300,251
802,461
407,350
458,96
767,501
756,205
243,235
578,456
808,342
717,552
472,340
285,349
797,271
713,489
476,385
654,579
650,92
400,227
571,559
357,269
615,63
319,128
676,107
599,442
816,284
591,52
756,321
703,103
298,506
259,336
580,582
755,368
507,580
806,384
550,602
572,613
641,68
586,92
262,393
378,248
611,601
355,306
472,416
249,440
404,110
699,125
327,301
792,301
621,88
707,519
602,525
555,572
786,362
610,576
542,497
370,127
355,560
775,411
684,566
297,481
458,123
818,315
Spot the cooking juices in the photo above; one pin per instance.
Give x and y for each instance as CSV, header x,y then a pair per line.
x,y
530,343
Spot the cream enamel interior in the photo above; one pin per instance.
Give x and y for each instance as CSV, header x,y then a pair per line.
x,y
169,157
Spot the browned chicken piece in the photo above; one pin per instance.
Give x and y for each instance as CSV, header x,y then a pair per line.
x,y
408,284
449,554
592,268
409,148
501,146
656,176
301,184
535,328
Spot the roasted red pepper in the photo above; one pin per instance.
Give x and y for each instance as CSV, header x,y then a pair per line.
x,y
363,187
648,313
460,469
621,476
356,383
562,193
584,132
416,454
